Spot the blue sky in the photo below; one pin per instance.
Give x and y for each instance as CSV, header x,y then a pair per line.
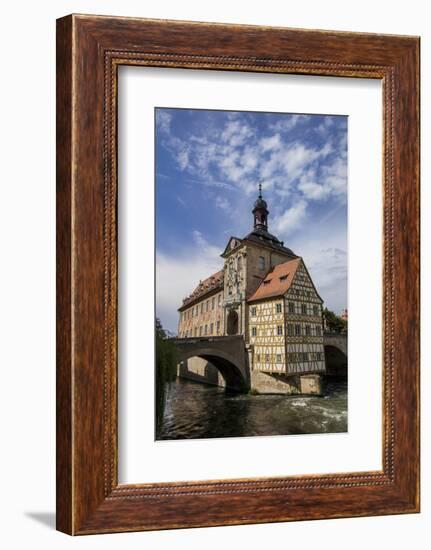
x,y
208,167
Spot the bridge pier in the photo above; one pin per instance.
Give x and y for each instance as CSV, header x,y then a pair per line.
x,y
296,384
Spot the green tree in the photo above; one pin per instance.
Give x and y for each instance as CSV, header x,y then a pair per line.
x,y
334,322
166,369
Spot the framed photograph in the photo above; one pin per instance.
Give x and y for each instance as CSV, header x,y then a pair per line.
x,y
237,274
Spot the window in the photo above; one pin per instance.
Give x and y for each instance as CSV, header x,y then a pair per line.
x,y
319,355
253,312
315,311
261,263
291,307
196,331
307,330
208,305
305,356
206,329
218,327
219,299
318,330
290,330
258,357
253,331
202,307
239,263
213,303
266,281
297,330
278,358
279,330
267,358
200,331
212,328
278,308
304,309
283,277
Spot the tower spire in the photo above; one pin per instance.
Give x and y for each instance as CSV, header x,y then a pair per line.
x,y
260,212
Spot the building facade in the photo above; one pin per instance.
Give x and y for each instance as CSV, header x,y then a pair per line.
x,y
264,293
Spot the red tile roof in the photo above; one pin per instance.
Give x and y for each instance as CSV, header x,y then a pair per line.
x,y
213,282
277,282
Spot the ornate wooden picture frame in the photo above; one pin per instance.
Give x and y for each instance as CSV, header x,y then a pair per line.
x,y
89,51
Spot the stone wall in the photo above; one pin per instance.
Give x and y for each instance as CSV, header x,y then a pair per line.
x,y
199,370
305,384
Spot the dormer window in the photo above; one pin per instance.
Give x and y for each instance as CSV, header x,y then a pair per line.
x,y
266,281
283,277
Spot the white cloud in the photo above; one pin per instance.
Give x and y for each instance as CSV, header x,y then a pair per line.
x,y
163,120
271,143
291,219
325,125
183,159
237,156
236,133
335,176
286,124
222,203
332,180
177,276
292,160
328,267
312,190
249,158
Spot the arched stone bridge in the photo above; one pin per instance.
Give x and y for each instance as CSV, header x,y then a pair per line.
x,y
335,353
226,353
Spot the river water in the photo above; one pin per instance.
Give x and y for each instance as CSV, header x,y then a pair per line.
x,y
196,410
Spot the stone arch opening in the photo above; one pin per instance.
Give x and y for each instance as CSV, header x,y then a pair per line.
x,y
336,362
232,376
232,322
